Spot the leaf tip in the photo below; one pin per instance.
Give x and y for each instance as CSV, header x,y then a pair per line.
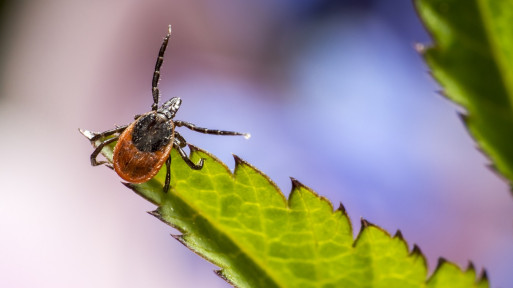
x,y
88,134
128,185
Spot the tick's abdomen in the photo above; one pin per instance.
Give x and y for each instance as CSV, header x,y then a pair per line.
x,y
143,148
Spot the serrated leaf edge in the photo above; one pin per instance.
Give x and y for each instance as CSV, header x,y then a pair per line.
x,y
492,154
296,186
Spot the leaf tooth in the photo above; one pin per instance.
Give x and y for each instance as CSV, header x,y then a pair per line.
x,y
471,267
180,238
238,161
342,208
221,275
441,262
483,277
193,148
417,253
88,134
399,235
464,118
420,48
343,211
441,92
495,170
296,184
156,213
369,224
365,223
444,94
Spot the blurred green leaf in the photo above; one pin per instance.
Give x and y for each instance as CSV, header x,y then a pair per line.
x,y
472,59
241,222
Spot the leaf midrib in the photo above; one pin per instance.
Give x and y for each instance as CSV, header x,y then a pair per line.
x,y
494,50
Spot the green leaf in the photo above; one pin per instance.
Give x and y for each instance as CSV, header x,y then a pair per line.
x,y
241,222
472,59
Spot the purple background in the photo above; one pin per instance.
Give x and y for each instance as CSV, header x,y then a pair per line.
x,y
332,92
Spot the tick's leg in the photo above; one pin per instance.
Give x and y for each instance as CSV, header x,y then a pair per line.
x,y
193,127
168,174
156,74
108,133
180,140
187,159
99,149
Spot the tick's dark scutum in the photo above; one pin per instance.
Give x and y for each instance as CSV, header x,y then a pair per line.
x,y
152,132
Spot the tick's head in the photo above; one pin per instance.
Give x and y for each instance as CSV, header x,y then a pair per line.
x,y
170,107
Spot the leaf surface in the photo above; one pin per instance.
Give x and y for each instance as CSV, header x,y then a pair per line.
x,y
242,223
472,59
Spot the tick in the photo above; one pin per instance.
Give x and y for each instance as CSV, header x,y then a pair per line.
x,y
144,145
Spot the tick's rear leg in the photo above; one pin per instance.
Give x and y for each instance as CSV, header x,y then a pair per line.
x,y
108,133
186,158
168,174
179,140
99,149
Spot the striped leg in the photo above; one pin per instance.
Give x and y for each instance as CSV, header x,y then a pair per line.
x,y
156,74
193,127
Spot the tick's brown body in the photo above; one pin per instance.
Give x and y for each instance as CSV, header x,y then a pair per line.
x,y
140,151
144,145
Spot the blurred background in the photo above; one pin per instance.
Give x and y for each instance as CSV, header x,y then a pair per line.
x,y
332,92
